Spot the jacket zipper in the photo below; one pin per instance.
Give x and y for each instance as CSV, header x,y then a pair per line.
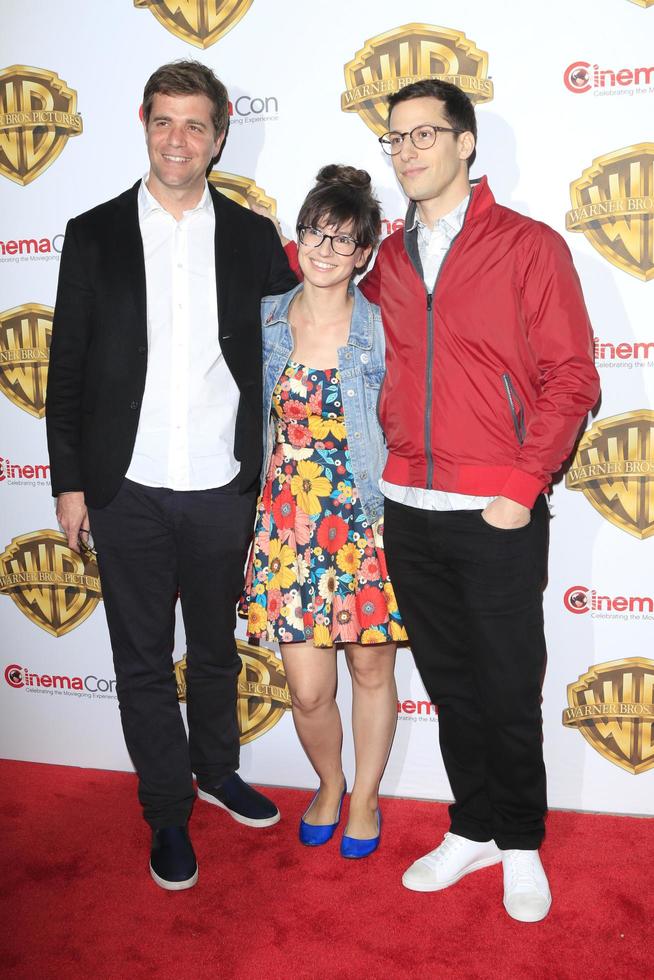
x,y
428,406
430,349
516,408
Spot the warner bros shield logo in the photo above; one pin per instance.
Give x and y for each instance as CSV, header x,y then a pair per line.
x,y
54,586
263,694
612,705
38,114
200,22
390,61
614,469
25,337
613,205
243,190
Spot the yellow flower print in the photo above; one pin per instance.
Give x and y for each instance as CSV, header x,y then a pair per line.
x,y
348,558
281,561
373,636
308,486
257,618
398,633
391,601
320,428
322,637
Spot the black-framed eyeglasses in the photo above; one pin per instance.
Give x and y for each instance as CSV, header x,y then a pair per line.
x,y
86,543
422,137
341,244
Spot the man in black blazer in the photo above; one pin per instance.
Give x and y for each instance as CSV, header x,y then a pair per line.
x,y
154,409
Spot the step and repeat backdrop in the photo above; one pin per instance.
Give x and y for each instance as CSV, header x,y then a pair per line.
x,y
565,97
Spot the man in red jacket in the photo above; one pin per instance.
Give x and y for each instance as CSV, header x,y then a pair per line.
x,y
489,376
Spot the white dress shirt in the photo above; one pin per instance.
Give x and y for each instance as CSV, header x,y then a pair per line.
x,y
185,437
433,244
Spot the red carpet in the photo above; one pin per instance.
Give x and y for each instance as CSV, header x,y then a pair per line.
x,y
78,900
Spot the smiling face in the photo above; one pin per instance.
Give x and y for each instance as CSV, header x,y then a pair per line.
x,y
322,266
439,175
181,142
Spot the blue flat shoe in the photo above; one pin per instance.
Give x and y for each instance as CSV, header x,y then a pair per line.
x,y
313,835
352,847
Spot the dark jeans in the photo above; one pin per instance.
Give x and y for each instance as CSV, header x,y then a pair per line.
x,y
152,542
470,596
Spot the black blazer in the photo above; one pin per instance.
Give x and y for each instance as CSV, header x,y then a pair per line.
x,y
98,357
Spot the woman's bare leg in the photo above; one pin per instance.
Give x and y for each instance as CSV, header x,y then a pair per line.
x,y
374,716
311,676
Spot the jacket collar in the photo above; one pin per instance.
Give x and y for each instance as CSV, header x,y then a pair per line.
x,y
361,325
481,199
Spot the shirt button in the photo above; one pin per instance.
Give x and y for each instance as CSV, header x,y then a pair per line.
x,y
364,358
348,355
357,435
364,475
133,405
350,392
141,349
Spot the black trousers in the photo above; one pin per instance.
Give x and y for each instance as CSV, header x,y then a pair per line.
x,y
152,542
470,596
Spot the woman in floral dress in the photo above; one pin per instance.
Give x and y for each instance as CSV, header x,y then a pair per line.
x,y
317,577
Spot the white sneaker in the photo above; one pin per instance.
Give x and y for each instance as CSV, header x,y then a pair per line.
x,y
527,895
456,857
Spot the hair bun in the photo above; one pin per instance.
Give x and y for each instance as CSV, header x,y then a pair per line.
x,y
336,173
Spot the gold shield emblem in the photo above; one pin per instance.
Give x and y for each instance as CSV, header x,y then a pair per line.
x,y
612,705
263,694
613,205
200,22
53,586
37,116
243,190
614,469
388,62
25,336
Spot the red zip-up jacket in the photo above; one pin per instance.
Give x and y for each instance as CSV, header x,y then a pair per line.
x,y
488,378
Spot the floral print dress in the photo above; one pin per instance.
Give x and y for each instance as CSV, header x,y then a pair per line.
x,y
317,569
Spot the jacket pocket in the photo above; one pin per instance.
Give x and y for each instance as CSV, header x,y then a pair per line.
x,y
515,407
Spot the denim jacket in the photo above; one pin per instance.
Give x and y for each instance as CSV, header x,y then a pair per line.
x,y
361,367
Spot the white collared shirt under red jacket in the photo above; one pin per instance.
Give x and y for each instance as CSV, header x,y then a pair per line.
x,y
490,376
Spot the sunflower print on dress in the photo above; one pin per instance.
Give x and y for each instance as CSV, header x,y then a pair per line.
x,y
317,569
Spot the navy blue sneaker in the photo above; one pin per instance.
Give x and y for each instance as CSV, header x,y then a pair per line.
x,y
172,860
242,802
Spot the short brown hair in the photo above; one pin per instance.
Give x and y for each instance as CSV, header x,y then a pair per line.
x,y
459,110
188,78
343,194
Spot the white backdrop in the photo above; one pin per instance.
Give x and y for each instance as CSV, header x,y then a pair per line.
x,y
571,84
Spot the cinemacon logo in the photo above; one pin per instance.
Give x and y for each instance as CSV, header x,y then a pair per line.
x,y
579,599
423,709
640,350
582,76
389,225
21,677
245,106
23,471
32,246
